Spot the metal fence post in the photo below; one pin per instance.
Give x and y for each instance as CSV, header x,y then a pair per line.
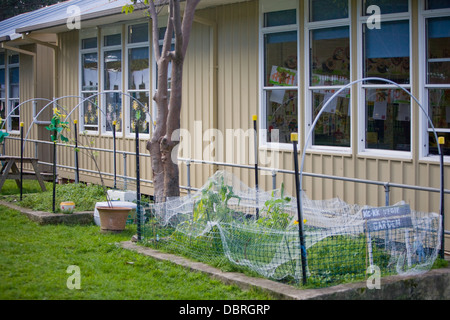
x,y
114,153
294,138
77,169
124,171
36,150
138,182
387,190
188,168
442,204
274,180
21,160
256,165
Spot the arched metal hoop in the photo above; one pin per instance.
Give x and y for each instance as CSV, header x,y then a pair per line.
x,y
334,96
54,102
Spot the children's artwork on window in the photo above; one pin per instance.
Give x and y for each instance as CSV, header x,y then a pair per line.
x,y
283,76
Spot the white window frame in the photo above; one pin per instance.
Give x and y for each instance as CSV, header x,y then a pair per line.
x,y
362,150
266,6
424,124
310,26
127,107
10,100
105,31
86,34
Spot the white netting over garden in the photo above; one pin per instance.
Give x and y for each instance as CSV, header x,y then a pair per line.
x,y
230,225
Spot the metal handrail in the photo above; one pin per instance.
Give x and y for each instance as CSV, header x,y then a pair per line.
x,y
234,165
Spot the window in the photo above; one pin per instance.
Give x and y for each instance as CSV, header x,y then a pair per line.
x,y
89,80
112,78
13,91
386,121
280,84
2,89
437,82
329,70
138,81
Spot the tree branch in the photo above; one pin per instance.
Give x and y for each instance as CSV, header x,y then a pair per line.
x,y
154,17
188,19
176,21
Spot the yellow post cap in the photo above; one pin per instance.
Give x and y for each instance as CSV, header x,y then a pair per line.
x,y
21,124
255,117
441,140
114,122
75,121
294,136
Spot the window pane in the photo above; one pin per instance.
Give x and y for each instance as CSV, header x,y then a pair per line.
x,y
2,58
90,43
113,111
281,59
387,52
139,69
90,112
333,127
3,113
388,119
14,58
280,18
113,40
90,72
433,150
139,112
14,117
113,70
330,61
138,33
2,83
328,10
282,115
387,6
439,107
438,30
14,83
437,4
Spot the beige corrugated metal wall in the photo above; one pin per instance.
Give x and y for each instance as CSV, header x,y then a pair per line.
x,y
221,91
35,82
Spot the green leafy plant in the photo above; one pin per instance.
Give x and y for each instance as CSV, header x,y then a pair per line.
x,y
3,134
213,204
274,214
57,125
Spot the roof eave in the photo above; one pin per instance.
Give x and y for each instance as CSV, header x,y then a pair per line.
x,y
62,22
5,38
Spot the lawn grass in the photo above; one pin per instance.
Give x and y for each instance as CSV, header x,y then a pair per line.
x,y
84,196
34,261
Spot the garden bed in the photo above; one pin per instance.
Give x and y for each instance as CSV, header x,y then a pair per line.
x,y
235,228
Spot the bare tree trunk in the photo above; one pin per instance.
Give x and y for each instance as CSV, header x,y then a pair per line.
x,y
163,145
